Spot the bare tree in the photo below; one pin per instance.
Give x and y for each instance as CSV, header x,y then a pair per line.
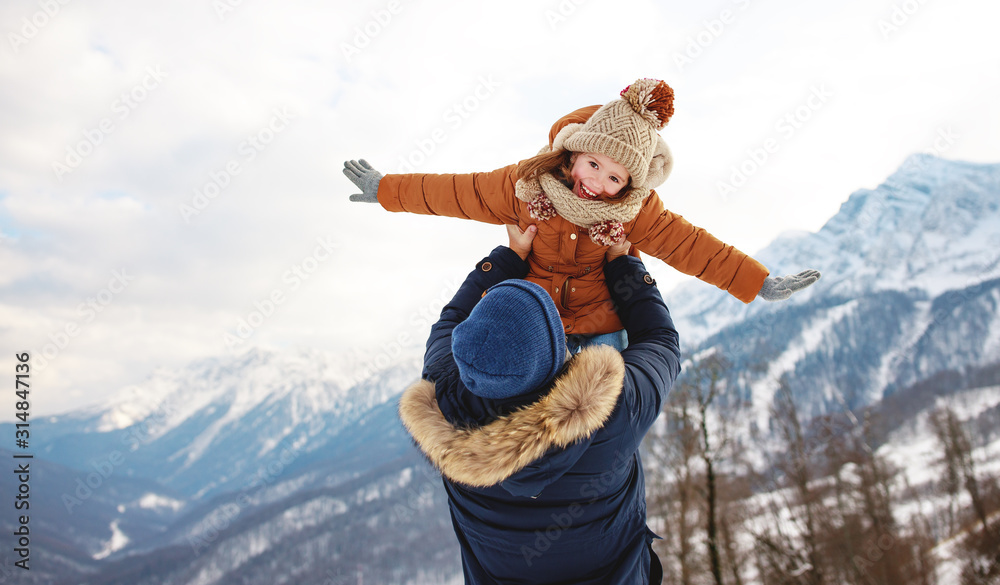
x,y
797,467
889,553
707,387
959,465
696,445
980,549
673,483
951,481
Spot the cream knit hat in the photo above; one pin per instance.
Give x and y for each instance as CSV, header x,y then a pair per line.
x,y
626,130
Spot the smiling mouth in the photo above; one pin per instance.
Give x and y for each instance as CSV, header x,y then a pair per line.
x,y
586,193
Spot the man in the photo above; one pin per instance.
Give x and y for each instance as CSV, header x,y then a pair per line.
x,y
539,450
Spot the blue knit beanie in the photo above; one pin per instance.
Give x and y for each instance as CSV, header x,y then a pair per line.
x,y
511,343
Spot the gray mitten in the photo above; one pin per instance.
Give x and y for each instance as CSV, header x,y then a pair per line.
x,y
365,178
781,287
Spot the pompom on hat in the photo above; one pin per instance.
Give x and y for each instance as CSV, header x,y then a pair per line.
x,y
512,342
626,130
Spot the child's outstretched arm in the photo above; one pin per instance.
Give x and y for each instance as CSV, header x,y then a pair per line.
x,y
693,251
487,197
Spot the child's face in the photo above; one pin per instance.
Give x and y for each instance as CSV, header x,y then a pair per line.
x,y
596,176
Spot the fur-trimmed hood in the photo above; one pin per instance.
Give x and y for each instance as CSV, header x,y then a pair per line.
x,y
579,403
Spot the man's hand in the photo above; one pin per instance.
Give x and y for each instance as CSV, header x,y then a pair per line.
x,y
520,242
365,178
781,287
616,250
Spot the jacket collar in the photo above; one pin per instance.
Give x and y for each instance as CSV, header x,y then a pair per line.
x,y
579,403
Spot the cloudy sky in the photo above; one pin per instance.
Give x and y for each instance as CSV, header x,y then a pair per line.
x,y
170,177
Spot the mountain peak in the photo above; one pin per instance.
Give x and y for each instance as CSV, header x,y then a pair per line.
x,y
235,384
933,225
254,406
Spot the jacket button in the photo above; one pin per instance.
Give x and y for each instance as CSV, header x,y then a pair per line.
x,y
549,268
487,266
572,289
557,289
648,279
572,236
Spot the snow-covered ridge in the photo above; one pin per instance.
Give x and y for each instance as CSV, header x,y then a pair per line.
x,y
932,226
315,380
220,422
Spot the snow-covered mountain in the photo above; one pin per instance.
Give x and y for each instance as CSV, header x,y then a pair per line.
x,y
388,525
256,408
272,467
910,287
932,226
265,463
78,517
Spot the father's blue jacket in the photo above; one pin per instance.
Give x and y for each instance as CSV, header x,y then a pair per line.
x,y
548,487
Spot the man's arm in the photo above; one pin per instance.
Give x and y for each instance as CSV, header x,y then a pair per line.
x,y
652,359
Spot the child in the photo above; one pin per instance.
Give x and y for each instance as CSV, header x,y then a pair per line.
x,y
591,187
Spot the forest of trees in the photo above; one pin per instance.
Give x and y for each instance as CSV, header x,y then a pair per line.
x,y
824,507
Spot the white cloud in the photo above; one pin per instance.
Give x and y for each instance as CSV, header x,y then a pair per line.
x,y
220,78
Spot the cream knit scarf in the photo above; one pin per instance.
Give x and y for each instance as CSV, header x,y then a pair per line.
x,y
547,197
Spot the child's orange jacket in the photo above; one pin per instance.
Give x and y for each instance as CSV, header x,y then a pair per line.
x,y
564,260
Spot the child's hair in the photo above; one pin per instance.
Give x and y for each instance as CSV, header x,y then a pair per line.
x,y
559,163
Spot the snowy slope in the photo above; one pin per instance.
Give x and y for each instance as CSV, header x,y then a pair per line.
x,y
389,525
309,449
79,517
910,287
932,226
207,428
